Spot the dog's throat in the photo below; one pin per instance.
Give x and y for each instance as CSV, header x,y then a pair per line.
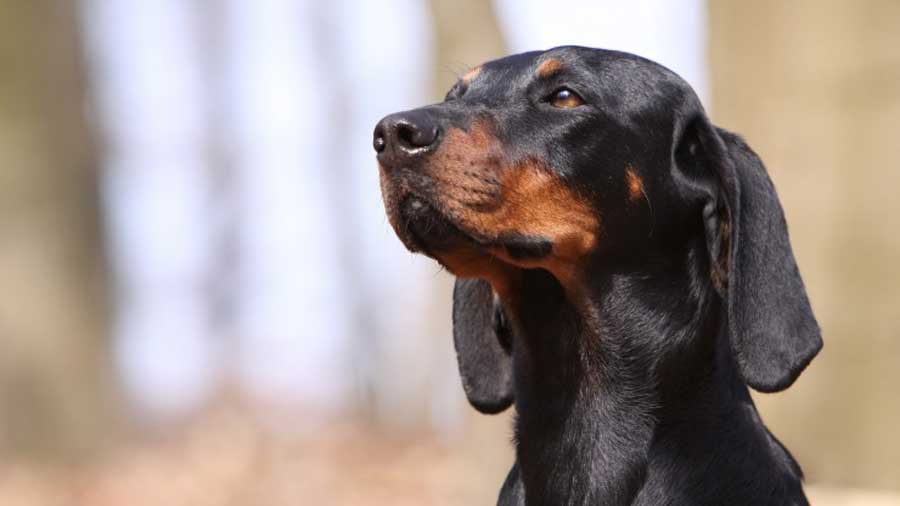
x,y
576,409
591,404
568,416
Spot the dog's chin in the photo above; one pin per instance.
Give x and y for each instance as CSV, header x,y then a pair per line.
x,y
423,228
428,231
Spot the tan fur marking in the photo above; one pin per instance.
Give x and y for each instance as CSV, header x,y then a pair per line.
x,y
471,74
488,197
548,67
474,263
539,204
634,183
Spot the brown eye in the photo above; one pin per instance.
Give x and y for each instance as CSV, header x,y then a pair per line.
x,y
564,98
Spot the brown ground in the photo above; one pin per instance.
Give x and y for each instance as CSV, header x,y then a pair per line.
x,y
226,460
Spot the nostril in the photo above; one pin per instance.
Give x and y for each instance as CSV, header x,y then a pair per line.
x,y
412,135
378,141
406,134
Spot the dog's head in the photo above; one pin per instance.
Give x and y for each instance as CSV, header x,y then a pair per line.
x,y
574,159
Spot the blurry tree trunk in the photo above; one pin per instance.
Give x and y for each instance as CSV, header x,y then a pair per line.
x,y
467,34
224,194
323,26
54,389
814,86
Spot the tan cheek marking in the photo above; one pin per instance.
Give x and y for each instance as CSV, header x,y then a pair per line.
x,y
548,67
490,197
537,203
471,74
465,167
462,169
634,183
472,263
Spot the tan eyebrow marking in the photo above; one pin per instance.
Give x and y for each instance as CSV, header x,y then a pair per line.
x,y
471,74
635,184
549,67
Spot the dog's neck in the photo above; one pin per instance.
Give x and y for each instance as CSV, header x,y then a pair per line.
x,y
602,411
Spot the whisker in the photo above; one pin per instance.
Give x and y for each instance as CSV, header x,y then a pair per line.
x,y
650,206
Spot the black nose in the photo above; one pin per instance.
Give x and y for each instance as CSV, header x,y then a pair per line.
x,y
404,137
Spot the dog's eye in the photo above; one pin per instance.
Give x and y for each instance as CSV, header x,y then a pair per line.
x,y
564,98
455,92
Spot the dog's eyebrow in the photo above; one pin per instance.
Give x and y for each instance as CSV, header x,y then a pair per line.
x,y
635,184
471,74
549,67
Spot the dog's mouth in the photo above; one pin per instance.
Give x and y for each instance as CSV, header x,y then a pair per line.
x,y
428,230
431,231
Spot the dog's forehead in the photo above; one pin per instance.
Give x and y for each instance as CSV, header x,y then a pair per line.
x,y
599,69
523,67
529,63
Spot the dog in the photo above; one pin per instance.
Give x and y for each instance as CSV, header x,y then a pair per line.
x,y
624,274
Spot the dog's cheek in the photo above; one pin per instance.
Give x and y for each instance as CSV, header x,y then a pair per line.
x,y
503,277
465,168
537,205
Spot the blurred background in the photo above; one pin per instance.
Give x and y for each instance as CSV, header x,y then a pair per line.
x,y
202,303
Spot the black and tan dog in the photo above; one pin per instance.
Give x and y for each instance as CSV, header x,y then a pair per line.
x,y
624,274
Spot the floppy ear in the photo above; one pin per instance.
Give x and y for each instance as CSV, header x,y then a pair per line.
x,y
773,332
483,341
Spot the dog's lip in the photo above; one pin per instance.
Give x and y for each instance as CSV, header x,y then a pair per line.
x,y
422,213
432,231
406,234
419,212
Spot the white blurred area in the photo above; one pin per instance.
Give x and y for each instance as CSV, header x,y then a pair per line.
x,y
248,239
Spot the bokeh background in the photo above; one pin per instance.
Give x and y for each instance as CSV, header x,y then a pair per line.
x,y
201,302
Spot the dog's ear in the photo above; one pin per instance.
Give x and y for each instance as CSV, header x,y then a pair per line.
x,y
773,332
483,343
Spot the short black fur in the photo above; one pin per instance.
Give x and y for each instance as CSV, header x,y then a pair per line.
x,y
633,388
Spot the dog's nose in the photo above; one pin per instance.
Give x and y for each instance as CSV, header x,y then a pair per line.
x,y
403,137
